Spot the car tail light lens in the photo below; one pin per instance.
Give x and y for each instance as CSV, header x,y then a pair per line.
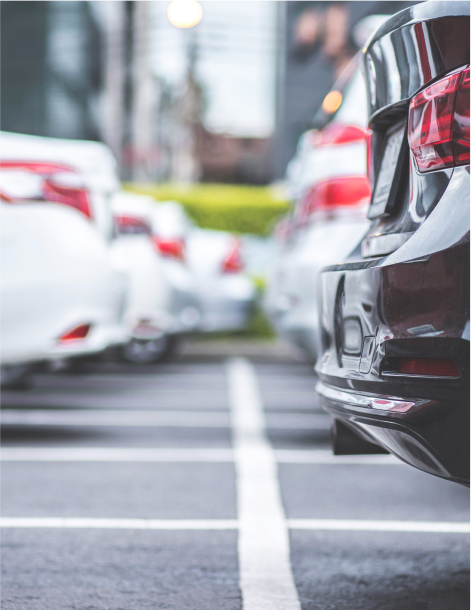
x,y
52,182
233,261
439,123
170,248
437,367
346,191
338,133
77,333
74,197
461,122
131,225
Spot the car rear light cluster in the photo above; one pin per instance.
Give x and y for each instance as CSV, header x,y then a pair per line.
x,y
56,183
131,225
170,248
233,261
338,133
77,333
439,123
345,191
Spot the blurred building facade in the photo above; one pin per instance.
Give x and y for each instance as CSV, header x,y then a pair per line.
x,y
51,69
314,44
89,70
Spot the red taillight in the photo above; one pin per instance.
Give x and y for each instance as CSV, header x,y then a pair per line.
x,y
233,261
132,225
338,192
461,122
58,183
437,367
337,133
74,197
439,123
77,333
171,248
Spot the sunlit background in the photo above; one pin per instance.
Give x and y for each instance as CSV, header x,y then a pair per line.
x,y
241,85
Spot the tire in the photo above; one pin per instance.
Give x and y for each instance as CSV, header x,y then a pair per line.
x,y
138,351
17,377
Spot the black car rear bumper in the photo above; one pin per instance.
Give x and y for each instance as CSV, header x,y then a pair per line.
x,y
415,430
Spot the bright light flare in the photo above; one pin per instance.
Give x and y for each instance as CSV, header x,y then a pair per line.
x,y
332,102
184,13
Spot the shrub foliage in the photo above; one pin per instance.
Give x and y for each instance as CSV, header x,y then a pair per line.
x,y
226,207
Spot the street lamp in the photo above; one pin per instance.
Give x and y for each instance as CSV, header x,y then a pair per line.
x,y
184,13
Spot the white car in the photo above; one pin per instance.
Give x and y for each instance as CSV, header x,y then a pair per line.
x,y
56,262
60,295
226,294
149,321
328,183
170,230
78,173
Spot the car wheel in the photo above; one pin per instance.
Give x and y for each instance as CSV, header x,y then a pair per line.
x,y
17,377
138,351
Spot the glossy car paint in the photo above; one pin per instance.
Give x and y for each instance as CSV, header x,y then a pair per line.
x,y
404,291
56,274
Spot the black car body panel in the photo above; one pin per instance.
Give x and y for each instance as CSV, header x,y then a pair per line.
x,y
404,292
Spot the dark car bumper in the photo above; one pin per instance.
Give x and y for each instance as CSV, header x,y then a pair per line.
x,y
413,303
431,435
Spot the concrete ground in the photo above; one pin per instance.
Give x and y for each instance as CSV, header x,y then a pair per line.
x,y
121,490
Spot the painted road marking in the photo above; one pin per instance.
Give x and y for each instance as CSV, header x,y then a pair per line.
x,y
100,417
138,454
354,525
341,525
180,419
110,454
126,524
265,576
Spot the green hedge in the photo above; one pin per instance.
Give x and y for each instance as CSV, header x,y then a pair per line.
x,y
227,207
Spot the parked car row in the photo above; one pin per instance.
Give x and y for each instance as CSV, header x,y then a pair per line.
x,y
86,266
372,275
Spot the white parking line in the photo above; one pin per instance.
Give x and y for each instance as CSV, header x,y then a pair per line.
x,y
139,418
340,525
319,456
353,525
266,579
111,454
82,417
138,454
126,524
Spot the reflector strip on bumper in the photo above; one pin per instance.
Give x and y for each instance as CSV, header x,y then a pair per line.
x,y
380,403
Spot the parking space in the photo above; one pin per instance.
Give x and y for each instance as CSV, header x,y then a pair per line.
x,y
153,487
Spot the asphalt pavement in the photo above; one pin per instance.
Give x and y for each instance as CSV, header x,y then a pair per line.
x,y
207,483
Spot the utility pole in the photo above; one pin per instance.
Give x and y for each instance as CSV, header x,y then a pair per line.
x,y
184,165
144,98
185,162
114,59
